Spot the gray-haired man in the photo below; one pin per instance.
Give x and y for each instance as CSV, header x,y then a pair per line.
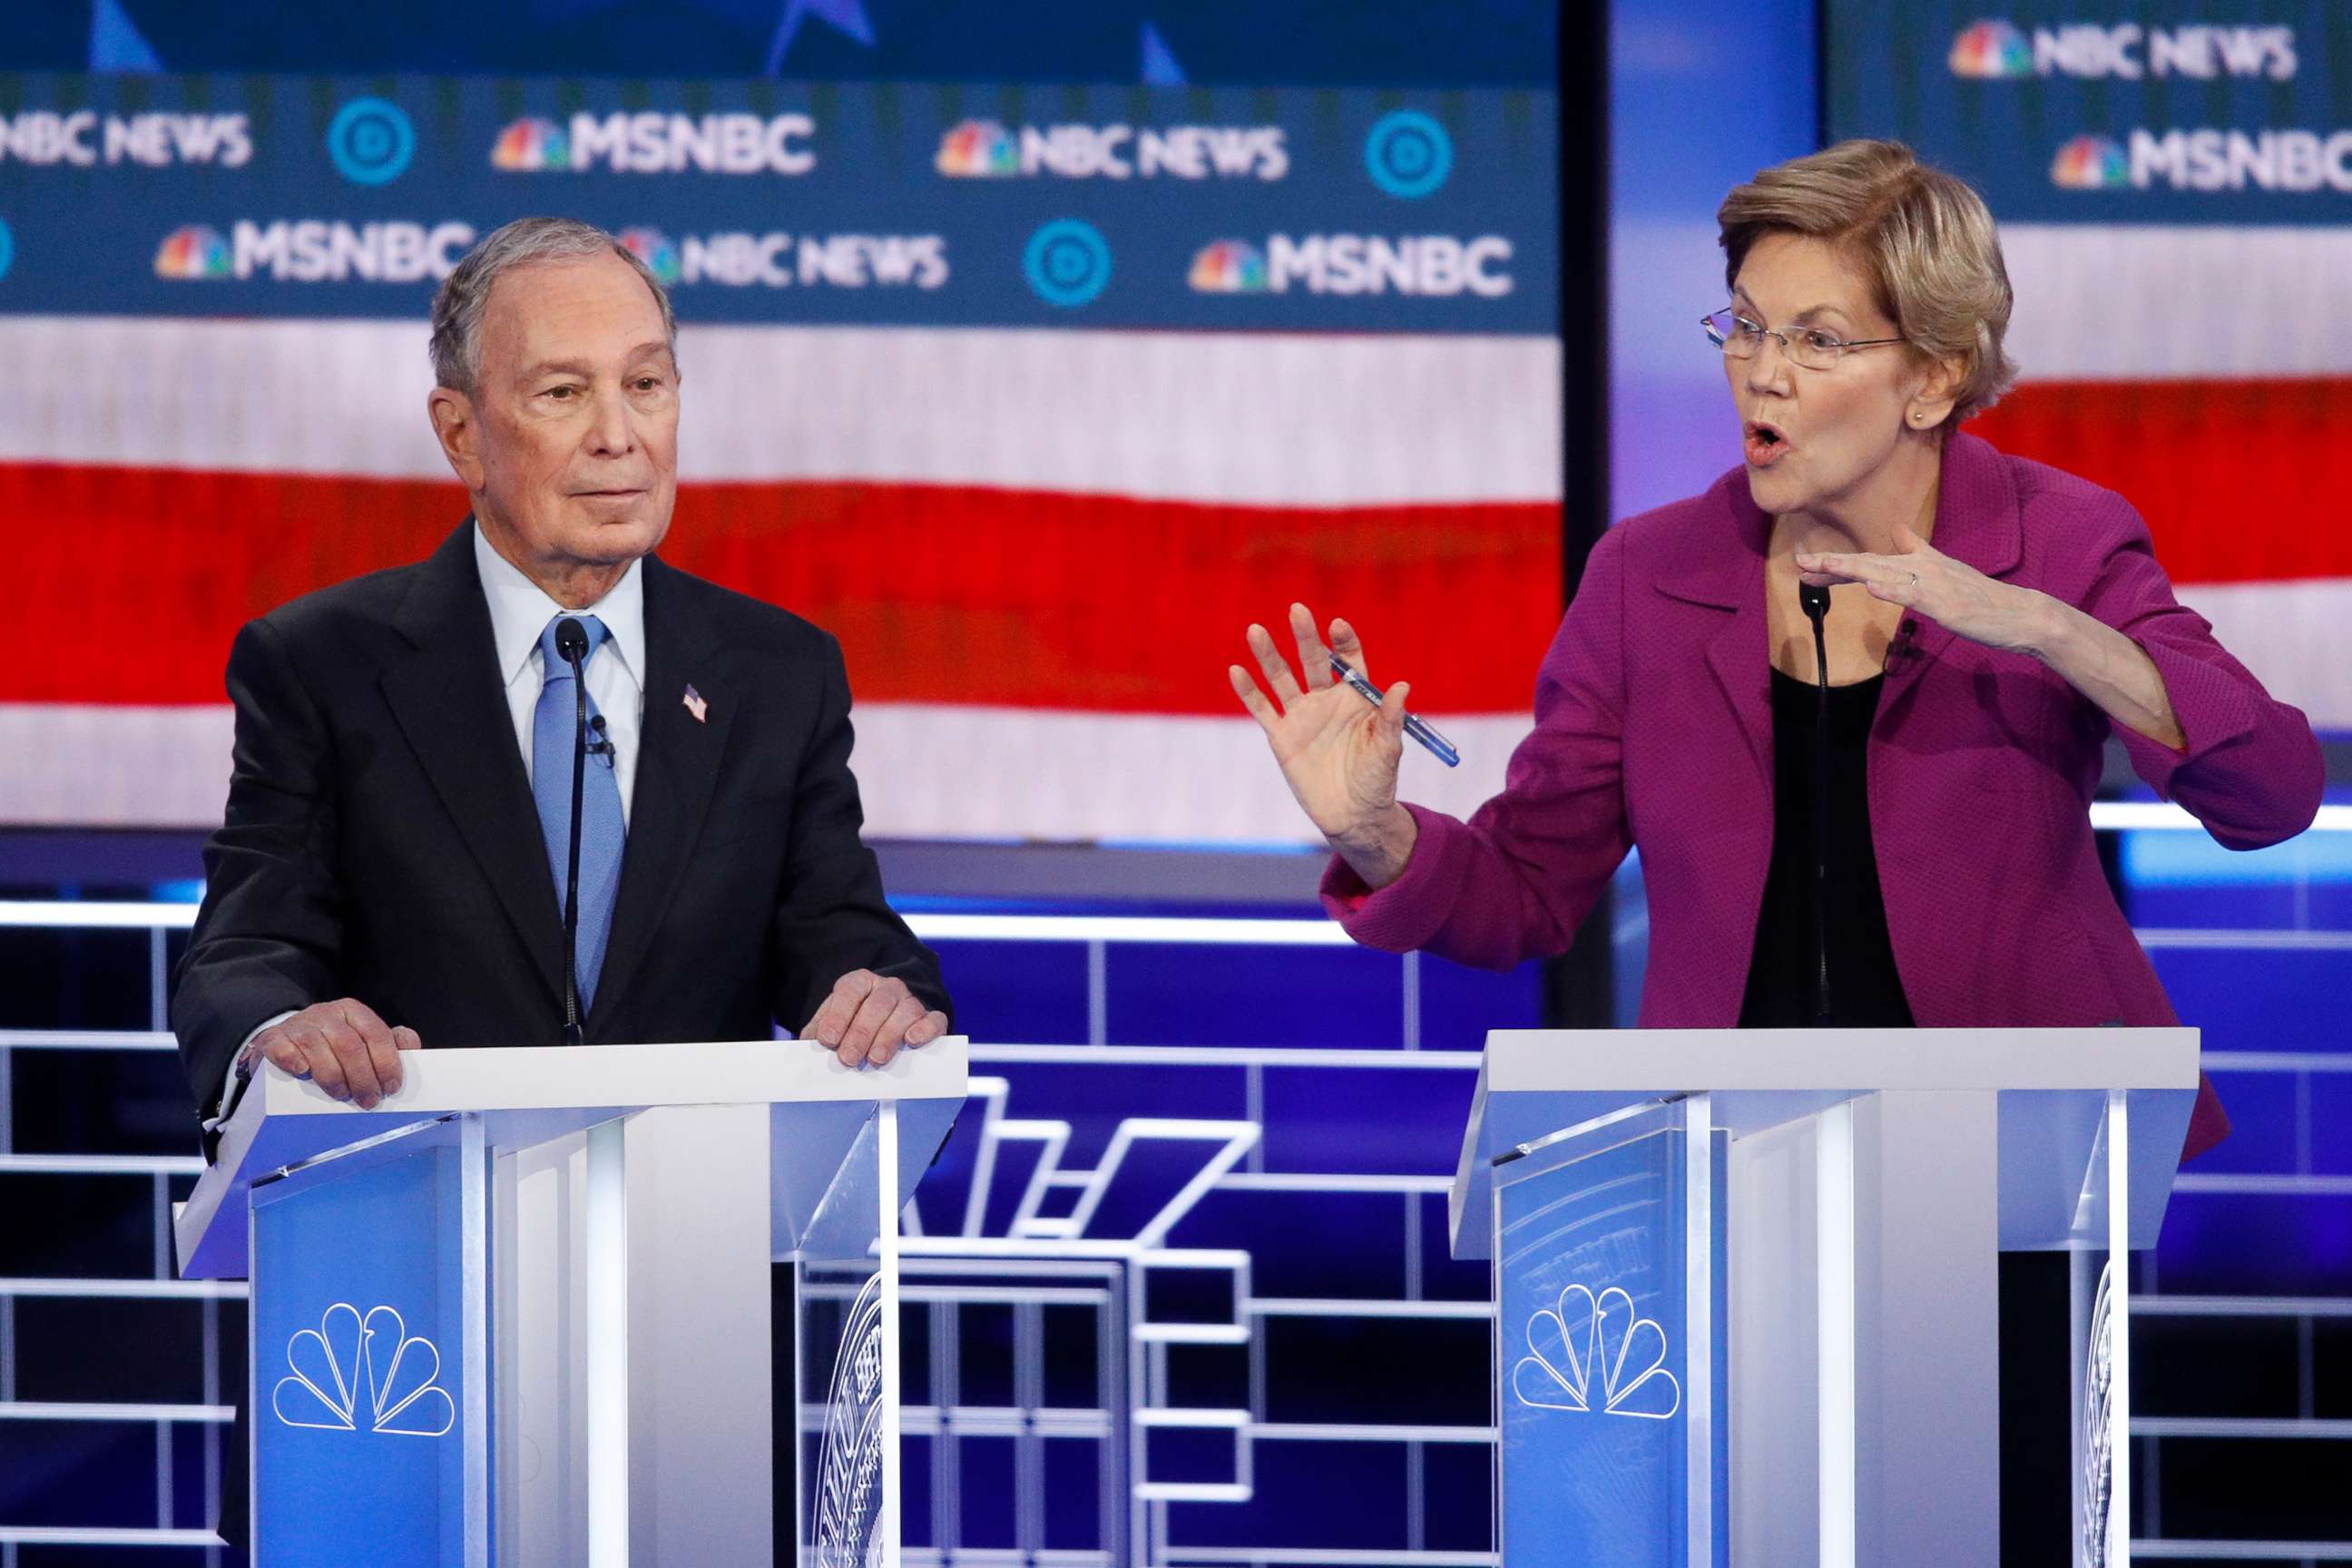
x,y
392,870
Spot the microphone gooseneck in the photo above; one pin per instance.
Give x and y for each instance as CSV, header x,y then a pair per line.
x,y
572,645
1815,602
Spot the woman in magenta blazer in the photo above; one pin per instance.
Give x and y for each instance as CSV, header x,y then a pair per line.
x,y
1910,843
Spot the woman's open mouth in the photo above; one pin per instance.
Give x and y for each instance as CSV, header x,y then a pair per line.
x,y
1763,444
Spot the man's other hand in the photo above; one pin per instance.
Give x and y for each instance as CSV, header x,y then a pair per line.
x,y
867,1018
342,1047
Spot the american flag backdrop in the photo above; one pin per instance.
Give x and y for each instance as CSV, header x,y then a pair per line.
x,y
2174,187
1038,526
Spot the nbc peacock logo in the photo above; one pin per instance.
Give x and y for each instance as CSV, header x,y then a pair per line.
x,y
529,146
352,1373
194,250
1596,1354
1229,267
2090,163
653,248
977,149
1992,51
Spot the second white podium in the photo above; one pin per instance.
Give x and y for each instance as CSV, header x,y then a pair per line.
x,y
1747,1304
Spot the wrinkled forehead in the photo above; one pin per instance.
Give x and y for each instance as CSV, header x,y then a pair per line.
x,y
1793,277
591,311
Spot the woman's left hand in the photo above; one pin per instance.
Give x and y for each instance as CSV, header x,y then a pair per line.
x,y
1950,593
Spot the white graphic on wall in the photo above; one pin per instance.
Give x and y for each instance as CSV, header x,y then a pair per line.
x,y
351,1373
849,1462
2099,1421
1587,1341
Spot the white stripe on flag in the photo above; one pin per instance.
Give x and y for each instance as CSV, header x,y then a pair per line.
x,y
2143,304
1248,418
2295,637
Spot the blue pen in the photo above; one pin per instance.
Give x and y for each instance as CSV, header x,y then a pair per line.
x,y
1439,746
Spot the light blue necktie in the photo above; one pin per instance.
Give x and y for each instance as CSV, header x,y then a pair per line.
x,y
602,832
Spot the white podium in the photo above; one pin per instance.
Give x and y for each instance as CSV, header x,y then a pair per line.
x,y
1747,1292
520,1312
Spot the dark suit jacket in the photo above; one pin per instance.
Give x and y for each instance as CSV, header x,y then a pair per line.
x,y
381,841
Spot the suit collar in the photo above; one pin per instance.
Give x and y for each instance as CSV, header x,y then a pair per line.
x,y
1977,517
678,756
1721,561
447,697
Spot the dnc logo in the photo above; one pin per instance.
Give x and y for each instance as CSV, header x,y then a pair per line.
x,y
196,250
1408,153
529,146
1229,267
1991,50
978,149
2090,163
1594,1353
1067,263
370,140
348,1371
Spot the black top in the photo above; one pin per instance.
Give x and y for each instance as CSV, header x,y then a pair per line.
x,y
1785,977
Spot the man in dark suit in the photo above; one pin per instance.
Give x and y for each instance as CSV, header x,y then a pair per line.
x,y
392,870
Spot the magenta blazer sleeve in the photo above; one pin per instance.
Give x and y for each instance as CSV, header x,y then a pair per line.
x,y
2252,772
1516,880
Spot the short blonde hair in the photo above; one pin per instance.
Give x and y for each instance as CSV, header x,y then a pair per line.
x,y
1925,239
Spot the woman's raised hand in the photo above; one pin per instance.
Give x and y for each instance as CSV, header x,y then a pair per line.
x,y
1339,753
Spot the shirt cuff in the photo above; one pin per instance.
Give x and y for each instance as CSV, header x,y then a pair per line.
x,y
227,1101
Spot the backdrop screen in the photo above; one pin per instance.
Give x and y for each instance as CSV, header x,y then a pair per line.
x,y
2174,185
1035,396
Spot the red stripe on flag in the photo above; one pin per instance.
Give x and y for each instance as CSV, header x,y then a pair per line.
x,y
2240,480
136,579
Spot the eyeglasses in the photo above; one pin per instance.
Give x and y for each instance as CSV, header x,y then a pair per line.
x,y
1811,347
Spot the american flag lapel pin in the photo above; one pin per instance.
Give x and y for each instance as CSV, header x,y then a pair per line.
x,y
697,706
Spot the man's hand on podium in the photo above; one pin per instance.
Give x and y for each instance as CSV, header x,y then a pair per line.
x,y
342,1047
867,1018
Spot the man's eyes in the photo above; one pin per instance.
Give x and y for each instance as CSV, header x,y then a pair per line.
x,y
568,393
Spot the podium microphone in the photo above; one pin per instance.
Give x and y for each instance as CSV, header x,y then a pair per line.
x,y
1815,602
572,645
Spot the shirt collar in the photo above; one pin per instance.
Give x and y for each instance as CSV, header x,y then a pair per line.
x,y
520,609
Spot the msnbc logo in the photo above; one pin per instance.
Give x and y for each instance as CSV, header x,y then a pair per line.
x,y
2090,163
648,143
653,248
196,250
1229,267
977,149
530,144
1992,50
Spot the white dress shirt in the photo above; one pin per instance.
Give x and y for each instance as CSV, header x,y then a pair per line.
x,y
520,611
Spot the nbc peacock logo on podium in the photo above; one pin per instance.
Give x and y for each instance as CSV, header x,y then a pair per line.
x,y
354,1373
1596,1354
